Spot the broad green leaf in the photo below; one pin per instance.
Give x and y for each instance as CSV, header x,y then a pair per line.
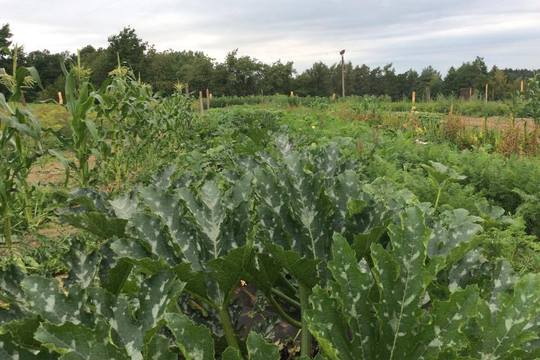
x,y
208,211
259,349
302,268
148,231
455,227
10,283
465,270
97,223
158,348
350,321
155,295
330,327
441,172
124,206
362,242
400,276
45,297
10,350
167,207
228,270
353,282
195,341
77,342
512,322
136,325
22,332
115,274
444,333
83,267
231,353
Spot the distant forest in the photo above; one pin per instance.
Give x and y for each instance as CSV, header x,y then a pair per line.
x,y
244,75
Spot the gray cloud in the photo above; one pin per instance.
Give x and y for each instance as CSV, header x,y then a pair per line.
x,y
410,34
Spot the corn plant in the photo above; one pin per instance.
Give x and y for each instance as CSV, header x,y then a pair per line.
x,y
20,146
86,139
21,78
127,104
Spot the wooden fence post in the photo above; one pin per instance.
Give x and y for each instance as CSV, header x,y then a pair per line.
x,y
201,104
522,86
486,96
60,98
207,99
414,97
470,93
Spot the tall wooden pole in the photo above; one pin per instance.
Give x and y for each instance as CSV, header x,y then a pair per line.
x,y
486,95
522,86
207,99
342,52
201,104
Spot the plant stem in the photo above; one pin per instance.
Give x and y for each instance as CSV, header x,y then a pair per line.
x,y
283,314
441,186
26,203
438,197
7,228
228,328
305,344
286,297
202,299
288,284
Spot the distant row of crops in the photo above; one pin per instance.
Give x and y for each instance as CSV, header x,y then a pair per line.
x,y
441,105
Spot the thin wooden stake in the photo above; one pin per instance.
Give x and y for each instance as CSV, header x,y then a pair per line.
x,y
201,104
207,99
60,98
470,93
487,89
414,97
522,86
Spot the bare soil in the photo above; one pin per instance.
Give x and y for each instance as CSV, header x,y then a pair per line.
x,y
50,173
498,123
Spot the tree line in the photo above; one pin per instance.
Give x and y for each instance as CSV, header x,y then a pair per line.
x,y
244,75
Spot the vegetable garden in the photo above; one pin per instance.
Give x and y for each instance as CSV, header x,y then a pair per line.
x,y
327,230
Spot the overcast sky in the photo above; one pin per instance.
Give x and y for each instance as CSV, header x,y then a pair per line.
x,y
408,33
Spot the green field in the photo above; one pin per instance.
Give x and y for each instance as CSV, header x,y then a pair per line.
x,y
136,227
